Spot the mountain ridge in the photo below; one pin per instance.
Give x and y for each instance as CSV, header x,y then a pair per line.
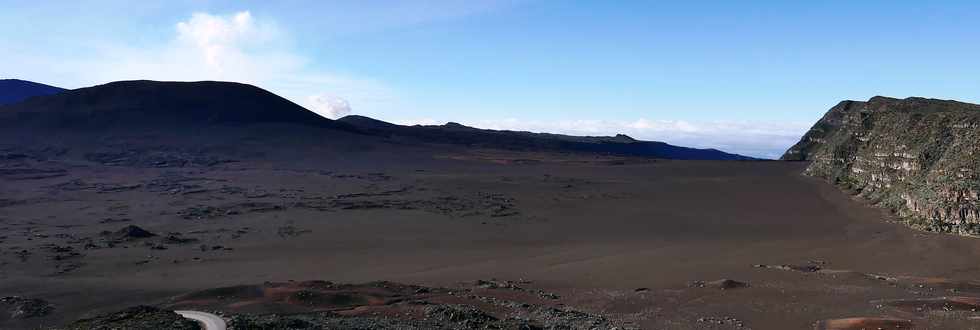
x,y
455,133
135,105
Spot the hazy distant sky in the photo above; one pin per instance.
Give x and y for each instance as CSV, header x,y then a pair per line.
x,y
741,76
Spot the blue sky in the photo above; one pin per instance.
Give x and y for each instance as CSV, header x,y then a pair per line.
x,y
741,76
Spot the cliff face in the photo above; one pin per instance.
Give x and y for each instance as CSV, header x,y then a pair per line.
x,y
918,157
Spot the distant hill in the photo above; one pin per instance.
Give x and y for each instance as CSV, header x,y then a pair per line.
x,y
919,157
454,133
15,90
185,109
157,104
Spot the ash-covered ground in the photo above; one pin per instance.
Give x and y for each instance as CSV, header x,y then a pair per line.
x,y
457,238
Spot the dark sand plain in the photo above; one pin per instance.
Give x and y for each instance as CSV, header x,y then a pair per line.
x,y
636,240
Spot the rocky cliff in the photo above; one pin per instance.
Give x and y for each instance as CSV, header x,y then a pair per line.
x,y
917,157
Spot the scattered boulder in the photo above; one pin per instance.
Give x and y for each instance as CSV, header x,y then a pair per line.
x,y
722,284
726,284
512,285
115,220
795,268
130,232
497,284
722,320
291,231
178,239
466,317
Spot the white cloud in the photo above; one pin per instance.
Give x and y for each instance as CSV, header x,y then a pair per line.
x,y
751,138
421,121
236,47
329,106
219,39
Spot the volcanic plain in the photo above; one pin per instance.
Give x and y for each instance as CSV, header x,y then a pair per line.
x,y
642,243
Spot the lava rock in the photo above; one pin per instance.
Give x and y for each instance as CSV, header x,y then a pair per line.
x,y
136,318
131,232
16,307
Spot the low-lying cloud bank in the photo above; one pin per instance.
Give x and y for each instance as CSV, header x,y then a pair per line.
x,y
750,138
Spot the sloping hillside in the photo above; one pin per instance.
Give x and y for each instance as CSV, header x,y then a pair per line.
x,y
15,90
153,103
454,133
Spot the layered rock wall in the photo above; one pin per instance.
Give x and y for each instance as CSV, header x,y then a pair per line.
x,y
918,157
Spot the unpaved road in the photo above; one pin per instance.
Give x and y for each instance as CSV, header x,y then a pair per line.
x,y
210,321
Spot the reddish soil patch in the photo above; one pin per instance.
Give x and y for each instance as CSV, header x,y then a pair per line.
x,y
860,323
930,304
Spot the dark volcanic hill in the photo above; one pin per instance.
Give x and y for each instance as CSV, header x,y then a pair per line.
x,y
158,104
15,90
200,110
454,133
919,157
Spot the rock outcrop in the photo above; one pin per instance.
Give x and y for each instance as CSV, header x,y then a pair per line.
x,y
917,157
136,318
15,307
